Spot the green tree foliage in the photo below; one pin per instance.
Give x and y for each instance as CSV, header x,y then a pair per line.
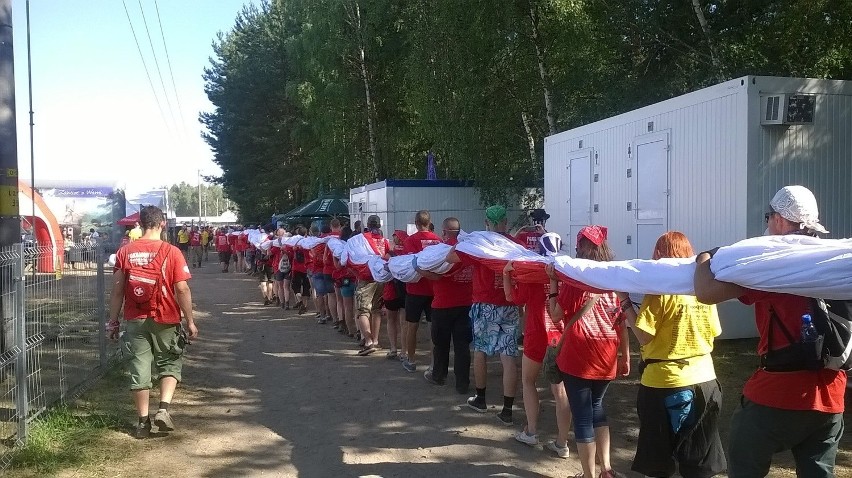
x,y
183,200
317,95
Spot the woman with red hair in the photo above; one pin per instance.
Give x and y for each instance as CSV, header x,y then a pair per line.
x,y
679,397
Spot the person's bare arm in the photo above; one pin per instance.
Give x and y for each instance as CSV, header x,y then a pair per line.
x,y
630,317
708,290
555,310
508,288
428,274
116,300
624,353
184,299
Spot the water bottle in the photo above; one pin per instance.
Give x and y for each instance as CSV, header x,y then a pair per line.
x,y
809,332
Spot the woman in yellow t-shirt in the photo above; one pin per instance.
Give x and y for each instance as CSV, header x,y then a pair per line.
x,y
679,397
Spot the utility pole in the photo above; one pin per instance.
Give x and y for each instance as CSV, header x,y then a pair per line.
x,y
199,196
10,221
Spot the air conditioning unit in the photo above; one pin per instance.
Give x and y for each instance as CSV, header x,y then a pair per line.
x,y
787,109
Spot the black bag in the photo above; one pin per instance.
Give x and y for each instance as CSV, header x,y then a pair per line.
x,y
832,349
299,255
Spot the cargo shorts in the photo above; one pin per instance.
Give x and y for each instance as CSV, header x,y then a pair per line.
x,y
368,297
152,345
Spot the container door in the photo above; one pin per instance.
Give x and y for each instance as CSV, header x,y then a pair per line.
x,y
652,191
580,187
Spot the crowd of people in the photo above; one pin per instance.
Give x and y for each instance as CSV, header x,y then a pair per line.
x,y
578,337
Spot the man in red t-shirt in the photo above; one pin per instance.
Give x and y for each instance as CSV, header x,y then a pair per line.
x,y
495,322
322,284
800,410
368,294
195,252
223,248
240,246
153,326
299,275
529,235
334,301
418,295
453,296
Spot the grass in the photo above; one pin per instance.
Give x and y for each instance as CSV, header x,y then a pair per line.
x,y
75,435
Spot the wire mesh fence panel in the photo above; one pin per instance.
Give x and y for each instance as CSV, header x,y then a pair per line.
x,y
54,305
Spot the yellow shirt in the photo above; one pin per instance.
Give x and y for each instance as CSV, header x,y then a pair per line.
x,y
205,238
682,327
183,237
135,233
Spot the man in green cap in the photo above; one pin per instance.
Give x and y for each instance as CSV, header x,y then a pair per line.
x,y
495,324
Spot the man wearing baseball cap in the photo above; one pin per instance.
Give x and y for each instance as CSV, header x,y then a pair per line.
x,y
784,406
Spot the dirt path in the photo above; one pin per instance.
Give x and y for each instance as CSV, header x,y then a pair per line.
x,y
269,393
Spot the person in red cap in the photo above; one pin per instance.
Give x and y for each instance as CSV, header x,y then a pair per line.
x,y
596,349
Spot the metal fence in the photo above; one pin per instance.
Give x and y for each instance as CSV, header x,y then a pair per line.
x,y
52,347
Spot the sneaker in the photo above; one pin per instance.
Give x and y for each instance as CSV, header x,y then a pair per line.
x,y
561,451
392,355
266,302
505,416
477,404
163,420
143,429
429,378
367,350
409,366
526,439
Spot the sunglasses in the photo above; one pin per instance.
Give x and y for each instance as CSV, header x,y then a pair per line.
x,y
768,215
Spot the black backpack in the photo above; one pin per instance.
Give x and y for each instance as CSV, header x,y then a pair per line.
x,y
833,348
299,255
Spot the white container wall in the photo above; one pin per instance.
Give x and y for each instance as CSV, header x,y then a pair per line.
x,y
396,201
705,163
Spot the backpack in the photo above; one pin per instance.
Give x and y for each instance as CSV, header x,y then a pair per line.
x,y
299,255
284,263
832,349
145,283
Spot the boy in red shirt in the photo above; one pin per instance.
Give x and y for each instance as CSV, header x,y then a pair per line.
x,y
223,248
418,295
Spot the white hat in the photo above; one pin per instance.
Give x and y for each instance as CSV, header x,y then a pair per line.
x,y
551,242
798,204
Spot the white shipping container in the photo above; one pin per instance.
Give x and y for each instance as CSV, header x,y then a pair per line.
x,y
396,201
705,163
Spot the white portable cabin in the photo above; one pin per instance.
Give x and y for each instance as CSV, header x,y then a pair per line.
x,y
396,201
705,163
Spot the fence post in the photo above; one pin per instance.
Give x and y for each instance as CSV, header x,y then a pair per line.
x,y
102,313
21,372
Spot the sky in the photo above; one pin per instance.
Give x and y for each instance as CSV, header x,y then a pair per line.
x,y
96,117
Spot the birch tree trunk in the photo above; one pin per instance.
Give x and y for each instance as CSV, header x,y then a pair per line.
x,y
525,119
354,13
714,57
542,70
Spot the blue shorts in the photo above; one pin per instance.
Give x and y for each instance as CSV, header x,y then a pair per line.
x,y
347,287
323,284
495,329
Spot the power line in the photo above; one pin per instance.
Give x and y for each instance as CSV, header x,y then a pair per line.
x,y
157,64
145,65
171,71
